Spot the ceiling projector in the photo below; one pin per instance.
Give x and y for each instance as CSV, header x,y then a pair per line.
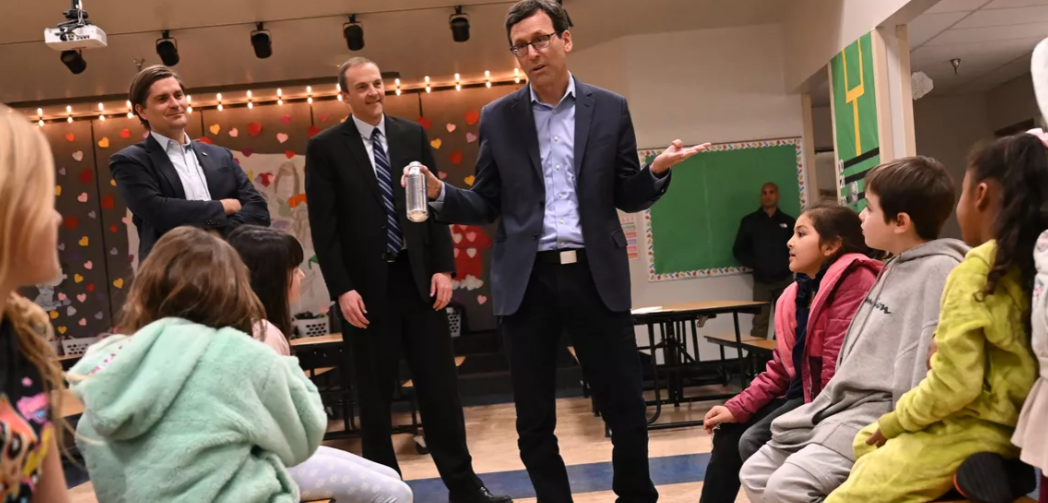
x,y
76,33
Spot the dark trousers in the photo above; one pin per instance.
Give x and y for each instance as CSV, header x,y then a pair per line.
x,y
409,326
559,298
767,292
733,444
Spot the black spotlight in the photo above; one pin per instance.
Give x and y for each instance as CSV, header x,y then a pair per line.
x,y
167,49
74,61
460,26
261,42
354,34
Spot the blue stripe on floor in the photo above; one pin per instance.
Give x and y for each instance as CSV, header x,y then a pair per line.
x,y
585,478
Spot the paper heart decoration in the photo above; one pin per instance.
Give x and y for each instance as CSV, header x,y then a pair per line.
x,y
58,190
61,246
457,238
61,296
312,131
113,228
108,202
119,283
455,158
470,137
84,241
471,236
99,315
442,175
54,315
90,287
82,322
89,265
70,137
145,135
323,118
78,156
236,160
436,143
130,258
457,252
62,171
112,182
206,140
81,297
70,311
281,137
481,299
472,252
451,127
104,142
266,179
78,278
289,154
234,133
126,220
343,119
472,117
215,128
62,330
113,251
92,214
294,201
254,129
125,133
82,197
247,152
70,222
469,180
86,176
424,122
286,119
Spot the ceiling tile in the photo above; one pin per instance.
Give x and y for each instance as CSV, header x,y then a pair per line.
x,y
989,34
1005,17
998,52
1008,4
956,6
927,26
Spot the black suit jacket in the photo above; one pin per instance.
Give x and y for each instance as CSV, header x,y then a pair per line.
x,y
153,191
509,183
348,219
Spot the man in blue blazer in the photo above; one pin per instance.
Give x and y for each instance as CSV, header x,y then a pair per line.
x,y
167,180
556,159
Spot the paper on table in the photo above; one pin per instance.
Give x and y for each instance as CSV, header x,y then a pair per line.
x,y
645,310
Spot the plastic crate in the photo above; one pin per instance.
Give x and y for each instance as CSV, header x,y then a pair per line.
x,y
311,327
77,346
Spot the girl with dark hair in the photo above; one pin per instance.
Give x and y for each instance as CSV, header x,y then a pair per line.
x,y
968,404
273,258
828,253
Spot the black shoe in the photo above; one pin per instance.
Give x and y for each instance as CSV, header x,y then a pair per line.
x,y
988,478
484,496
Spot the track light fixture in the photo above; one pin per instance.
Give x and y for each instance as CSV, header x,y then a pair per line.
x,y
74,61
354,34
167,49
262,42
459,25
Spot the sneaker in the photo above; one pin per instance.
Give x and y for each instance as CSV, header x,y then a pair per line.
x,y
989,478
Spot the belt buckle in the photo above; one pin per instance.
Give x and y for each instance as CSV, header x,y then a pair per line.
x,y
569,257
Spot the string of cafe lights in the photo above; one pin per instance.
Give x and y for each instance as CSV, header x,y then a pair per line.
x,y
251,99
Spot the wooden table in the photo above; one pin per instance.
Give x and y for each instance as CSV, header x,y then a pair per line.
x,y
673,321
315,342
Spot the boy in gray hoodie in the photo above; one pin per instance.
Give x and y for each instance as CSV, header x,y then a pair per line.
x,y
884,353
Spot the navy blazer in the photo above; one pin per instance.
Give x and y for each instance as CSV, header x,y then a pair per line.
x,y
509,184
153,192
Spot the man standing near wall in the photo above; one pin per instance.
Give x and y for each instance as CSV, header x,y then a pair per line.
x,y
556,159
761,246
168,181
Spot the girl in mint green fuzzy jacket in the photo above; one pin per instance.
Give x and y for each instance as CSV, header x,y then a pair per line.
x,y
191,408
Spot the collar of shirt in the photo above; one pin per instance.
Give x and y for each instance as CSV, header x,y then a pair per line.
x,y
570,92
366,130
167,142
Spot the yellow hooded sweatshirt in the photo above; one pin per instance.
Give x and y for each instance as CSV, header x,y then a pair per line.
x,y
969,401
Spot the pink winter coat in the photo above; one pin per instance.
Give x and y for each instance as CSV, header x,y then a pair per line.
x,y
841,292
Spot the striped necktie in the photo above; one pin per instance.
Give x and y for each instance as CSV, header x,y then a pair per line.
x,y
395,241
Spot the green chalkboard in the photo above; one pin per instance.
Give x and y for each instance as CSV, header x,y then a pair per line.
x,y
691,230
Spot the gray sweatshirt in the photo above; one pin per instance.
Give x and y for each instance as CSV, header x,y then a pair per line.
x,y
884,352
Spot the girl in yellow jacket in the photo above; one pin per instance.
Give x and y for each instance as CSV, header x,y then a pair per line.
x,y
970,400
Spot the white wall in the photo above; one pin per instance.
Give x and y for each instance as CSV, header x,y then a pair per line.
x,y
716,85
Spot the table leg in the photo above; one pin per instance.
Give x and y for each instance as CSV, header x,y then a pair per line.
x,y
738,342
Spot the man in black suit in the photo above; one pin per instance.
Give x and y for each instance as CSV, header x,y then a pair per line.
x,y
390,276
556,159
169,181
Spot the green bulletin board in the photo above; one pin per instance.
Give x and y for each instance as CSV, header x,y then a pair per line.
x,y
855,119
691,230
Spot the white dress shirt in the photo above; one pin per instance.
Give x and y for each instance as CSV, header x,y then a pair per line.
x,y
366,130
186,165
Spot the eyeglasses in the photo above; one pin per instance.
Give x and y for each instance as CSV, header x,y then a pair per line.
x,y
521,50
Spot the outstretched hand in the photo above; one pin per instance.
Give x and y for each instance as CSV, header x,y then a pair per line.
x,y
433,184
675,154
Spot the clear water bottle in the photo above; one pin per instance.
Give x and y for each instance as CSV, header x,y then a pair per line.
x,y
418,201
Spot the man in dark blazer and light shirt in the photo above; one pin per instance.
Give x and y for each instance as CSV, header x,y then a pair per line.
x,y
556,159
167,180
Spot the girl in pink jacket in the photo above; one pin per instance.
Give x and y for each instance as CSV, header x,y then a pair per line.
x,y
829,255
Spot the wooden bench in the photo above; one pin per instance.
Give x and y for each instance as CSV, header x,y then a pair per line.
x,y
749,342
